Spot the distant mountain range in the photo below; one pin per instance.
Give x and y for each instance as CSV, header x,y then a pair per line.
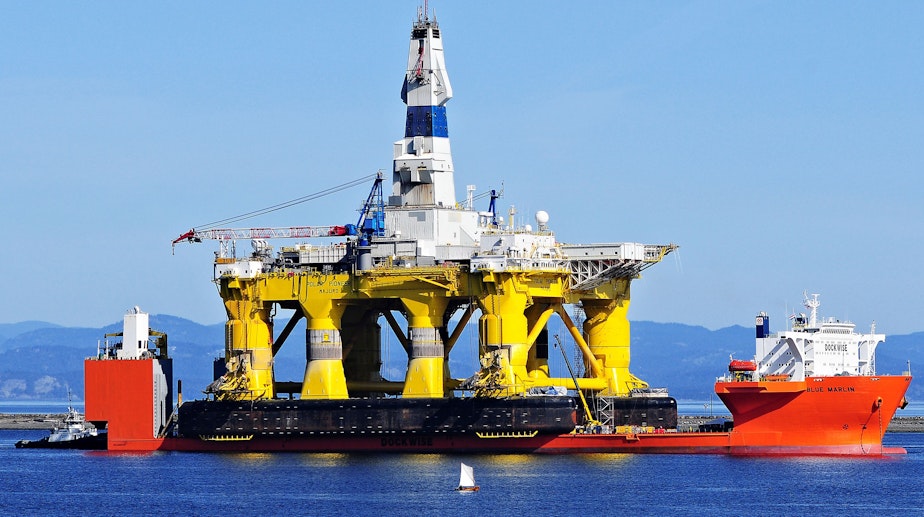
x,y
41,361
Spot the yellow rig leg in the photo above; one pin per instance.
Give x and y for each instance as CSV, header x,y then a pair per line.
x,y
248,352
503,335
607,330
425,362
324,377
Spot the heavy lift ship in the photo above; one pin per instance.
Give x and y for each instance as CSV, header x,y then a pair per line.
x,y
421,254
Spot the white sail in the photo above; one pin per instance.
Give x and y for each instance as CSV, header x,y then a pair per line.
x,y
467,477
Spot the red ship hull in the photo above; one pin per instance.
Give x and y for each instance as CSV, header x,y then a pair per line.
x,y
730,443
832,415
688,443
822,416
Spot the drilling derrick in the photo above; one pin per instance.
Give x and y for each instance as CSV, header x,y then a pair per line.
x,y
423,161
422,257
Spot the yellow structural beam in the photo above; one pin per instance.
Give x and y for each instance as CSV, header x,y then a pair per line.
x,y
537,362
460,327
589,358
538,323
399,332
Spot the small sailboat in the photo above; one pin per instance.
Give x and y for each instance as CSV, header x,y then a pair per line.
x,y
467,480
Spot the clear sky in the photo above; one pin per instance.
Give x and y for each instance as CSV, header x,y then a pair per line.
x,y
780,144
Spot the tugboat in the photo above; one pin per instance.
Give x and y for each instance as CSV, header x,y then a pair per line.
x,y
73,433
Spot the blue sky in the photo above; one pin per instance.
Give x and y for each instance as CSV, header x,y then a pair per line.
x,y
778,143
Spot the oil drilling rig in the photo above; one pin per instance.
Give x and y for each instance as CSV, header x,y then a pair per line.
x,y
420,256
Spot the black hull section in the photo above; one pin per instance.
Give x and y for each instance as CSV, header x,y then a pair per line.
x,y
281,418
638,411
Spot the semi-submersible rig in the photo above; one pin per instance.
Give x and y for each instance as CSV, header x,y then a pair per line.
x,y
421,254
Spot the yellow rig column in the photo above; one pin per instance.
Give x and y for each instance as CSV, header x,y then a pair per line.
x,y
248,350
607,331
324,377
425,363
503,333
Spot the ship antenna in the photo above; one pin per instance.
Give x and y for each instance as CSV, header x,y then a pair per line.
x,y
813,305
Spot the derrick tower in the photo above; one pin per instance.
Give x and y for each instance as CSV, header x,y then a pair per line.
x,y
425,259
423,161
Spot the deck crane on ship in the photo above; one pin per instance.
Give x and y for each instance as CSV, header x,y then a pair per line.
x,y
371,223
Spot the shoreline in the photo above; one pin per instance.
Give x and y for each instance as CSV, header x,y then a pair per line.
x,y
47,421
23,421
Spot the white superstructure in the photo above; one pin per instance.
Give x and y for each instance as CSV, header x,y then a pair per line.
x,y
426,225
140,343
815,349
135,336
420,223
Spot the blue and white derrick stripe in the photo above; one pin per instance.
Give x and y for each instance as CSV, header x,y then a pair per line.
x,y
426,121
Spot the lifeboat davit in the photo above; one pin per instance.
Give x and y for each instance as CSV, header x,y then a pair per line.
x,y
737,365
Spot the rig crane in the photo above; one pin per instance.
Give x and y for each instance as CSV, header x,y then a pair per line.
x,y
371,223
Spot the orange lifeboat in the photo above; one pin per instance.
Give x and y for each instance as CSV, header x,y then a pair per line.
x,y
737,365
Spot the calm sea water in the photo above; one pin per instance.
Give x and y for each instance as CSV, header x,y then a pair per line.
x,y
100,483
